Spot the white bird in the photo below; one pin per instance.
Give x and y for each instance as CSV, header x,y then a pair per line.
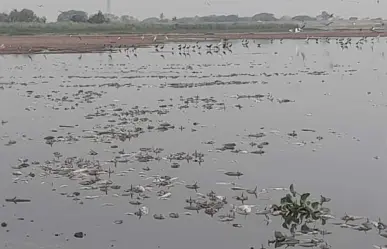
x,y
142,37
166,38
155,38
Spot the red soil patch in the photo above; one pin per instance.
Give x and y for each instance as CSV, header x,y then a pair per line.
x,y
95,43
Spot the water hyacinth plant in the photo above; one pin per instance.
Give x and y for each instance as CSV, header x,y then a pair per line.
x,y
297,209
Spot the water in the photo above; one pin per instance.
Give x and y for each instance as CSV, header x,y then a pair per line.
x,y
339,93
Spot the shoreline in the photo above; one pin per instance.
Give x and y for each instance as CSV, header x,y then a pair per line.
x,y
38,44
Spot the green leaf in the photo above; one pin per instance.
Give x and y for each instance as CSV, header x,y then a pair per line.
x,y
293,228
304,197
302,218
289,198
288,220
316,215
315,205
291,188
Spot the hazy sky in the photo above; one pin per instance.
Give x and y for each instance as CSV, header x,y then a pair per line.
x,y
179,8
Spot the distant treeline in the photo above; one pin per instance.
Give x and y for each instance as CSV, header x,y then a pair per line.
x,y
132,28
26,22
77,16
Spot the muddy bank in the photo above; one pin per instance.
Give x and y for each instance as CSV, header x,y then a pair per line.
x,y
97,43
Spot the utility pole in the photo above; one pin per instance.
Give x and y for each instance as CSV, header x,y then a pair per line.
x,y
108,3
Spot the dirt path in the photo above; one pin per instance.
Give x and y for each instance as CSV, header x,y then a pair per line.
x,y
95,43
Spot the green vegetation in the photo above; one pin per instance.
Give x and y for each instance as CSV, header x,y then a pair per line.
x,y
26,22
125,28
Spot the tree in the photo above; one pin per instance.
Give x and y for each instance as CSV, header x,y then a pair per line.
x,y
112,18
97,18
3,17
174,18
128,19
162,16
265,17
303,18
25,15
42,19
78,18
324,16
73,16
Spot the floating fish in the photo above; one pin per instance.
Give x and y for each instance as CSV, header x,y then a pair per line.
x,y
165,196
232,173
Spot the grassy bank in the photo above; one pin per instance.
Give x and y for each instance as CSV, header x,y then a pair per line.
x,y
122,28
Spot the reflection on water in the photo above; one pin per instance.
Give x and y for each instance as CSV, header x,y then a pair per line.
x,y
261,111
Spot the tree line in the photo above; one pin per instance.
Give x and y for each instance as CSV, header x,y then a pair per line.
x,y
27,15
77,16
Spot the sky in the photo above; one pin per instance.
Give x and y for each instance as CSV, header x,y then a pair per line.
x,y
179,8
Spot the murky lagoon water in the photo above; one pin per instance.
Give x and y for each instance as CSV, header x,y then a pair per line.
x,y
339,93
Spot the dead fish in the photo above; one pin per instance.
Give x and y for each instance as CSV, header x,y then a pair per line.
x,y
252,191
347,218
17,200
361,228
165,196
226,219
86,188
17,173
241,198
107,205
174,215
327,216
136,203
231,173
308,130
193,208
193,186
263,212
159,216
307,244
237,188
